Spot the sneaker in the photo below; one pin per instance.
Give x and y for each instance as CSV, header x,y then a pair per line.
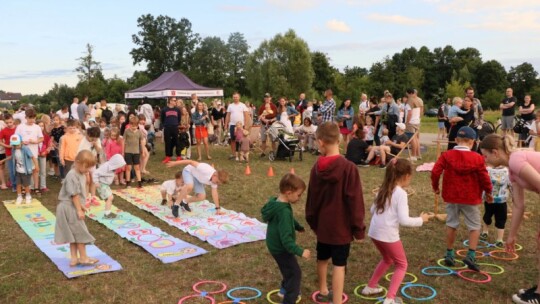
x,y
363,163
325,298
367,291
111,215
128,184
499,244
396,300
281,292
163,202
471,264
174,209
484,235
18,201
526,298
185,206
28,199
449,261
166,160
139,184
382,166
530,290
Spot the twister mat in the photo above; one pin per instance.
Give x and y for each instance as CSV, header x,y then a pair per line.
x,y
162,246
221,231
38,223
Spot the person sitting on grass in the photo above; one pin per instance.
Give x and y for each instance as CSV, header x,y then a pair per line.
x,y
281,236
465,177
103,177
357,149
398,142
170,189
195,176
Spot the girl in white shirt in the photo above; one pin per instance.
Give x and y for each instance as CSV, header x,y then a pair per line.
x,y
390,210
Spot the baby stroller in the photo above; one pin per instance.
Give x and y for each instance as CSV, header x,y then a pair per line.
x,y
287,143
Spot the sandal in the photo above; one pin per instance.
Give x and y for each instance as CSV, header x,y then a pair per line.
x,y
37,192
73,263
89,262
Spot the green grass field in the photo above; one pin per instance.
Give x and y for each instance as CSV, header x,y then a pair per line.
x,y
28,276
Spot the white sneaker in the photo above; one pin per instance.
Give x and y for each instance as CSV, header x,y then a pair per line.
x,y
413,158
396,300
51,172
28,199
18,201
367,291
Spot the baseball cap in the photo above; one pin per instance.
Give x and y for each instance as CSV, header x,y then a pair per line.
x,y
400,125
14,140
466,132
267,95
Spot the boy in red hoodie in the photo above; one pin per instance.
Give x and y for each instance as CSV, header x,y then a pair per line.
x,y
334,211
465,178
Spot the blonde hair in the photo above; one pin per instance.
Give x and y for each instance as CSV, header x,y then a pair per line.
x,y
455,100
85,158
497,142
223,176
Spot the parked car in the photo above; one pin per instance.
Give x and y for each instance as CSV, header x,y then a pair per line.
x,y
431,112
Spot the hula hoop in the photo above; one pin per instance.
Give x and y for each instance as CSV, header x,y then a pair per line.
x,y
224,287
344,297
258,293
361,296
517,247
440,263
270,293
461,272
231,302
486,244
495,254
425,271
415,278
212,300
463,253
501,270
406,295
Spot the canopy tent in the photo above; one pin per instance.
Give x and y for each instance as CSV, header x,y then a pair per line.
x,y
171,84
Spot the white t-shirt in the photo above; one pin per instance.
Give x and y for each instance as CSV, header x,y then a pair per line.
x,y
30,132
364,106
62,115
20,116
74,112
19,161
148,112
237,113
384,227
203,173
87,145
170,187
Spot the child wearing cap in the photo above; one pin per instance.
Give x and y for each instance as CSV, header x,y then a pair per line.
x,y
465,177
24,163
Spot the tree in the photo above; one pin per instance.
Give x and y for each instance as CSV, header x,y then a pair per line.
x,y
138,79
456,87
60,95
164,44
323,72
116,88
415,79
238,54
281,66
94,89
522,79
492,99
490,75
88,66
210,63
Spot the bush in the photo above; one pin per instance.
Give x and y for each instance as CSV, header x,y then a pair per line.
x,y
492,99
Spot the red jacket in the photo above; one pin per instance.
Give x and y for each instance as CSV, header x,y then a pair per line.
x,y
465,176
335,203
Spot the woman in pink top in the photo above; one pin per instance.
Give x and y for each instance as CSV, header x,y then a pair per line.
x,y
524,168
115,146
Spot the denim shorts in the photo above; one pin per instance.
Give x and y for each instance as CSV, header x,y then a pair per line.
x,y
190,180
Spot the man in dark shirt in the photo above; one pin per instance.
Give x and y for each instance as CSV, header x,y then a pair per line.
x,y
508,112
170,117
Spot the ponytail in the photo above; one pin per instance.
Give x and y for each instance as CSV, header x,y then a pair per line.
x,y
395,171
497,142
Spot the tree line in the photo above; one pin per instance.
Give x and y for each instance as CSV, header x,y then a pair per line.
x,y
285,66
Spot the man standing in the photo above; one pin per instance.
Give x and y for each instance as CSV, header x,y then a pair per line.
x,y
477,107
236,112
508,112
63,113
73,109
301,105
329,107
170,118
82,109
266,121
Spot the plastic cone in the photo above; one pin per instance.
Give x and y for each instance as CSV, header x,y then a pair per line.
x,y
270,172
292,171
248,170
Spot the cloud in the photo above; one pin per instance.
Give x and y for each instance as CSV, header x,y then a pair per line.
x,y
235,8
524,21
366,2
294,5
397,19
37,74
337,26
474,6
362,46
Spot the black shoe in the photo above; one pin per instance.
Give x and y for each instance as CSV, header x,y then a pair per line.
x,y
163,202
530,290
526,298
175,210
363,163
471,264
185,206
382,166
449,261
139,184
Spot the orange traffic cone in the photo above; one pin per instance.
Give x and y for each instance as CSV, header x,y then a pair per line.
x,y
248,170
292,171
270,172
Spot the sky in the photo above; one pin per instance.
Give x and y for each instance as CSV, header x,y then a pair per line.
x,y
40,41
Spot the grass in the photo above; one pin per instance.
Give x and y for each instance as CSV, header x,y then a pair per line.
x,y
27,275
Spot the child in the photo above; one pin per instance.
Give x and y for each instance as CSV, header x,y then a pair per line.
x,y
195,176
115,146
238,134
24,164
456,108
31,136
102,128
5,137
70,227
245,144
103,177
501,190
91,143
170,189
358,149
281,237
43,151
145,155
69,145
308,112
390,210
334,210
267,111
307,135
384,138
132,150
57,132
369,130
465,177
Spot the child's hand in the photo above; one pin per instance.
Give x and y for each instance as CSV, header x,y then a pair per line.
x,y
80,213
425,217
489,198
306,254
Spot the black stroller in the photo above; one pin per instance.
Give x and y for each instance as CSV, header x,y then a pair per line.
x,y
288,144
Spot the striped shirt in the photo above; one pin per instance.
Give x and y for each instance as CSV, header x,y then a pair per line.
x,y
327,110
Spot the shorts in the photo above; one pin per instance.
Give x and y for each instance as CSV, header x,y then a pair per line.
x,y
345,131
411,128
507,122
441,125
201,132
231,132
499,210
264,128
132,159
338,253
190,180
471,213
104,191
23,179
2,156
